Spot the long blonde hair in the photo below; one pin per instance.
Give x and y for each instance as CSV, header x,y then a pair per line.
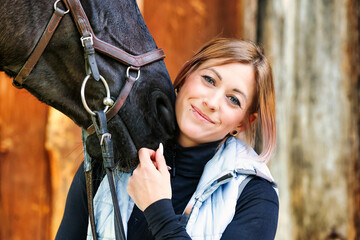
x,y
263,103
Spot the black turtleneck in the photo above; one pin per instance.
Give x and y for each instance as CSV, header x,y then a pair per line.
x,y
255,216
189,166
256,210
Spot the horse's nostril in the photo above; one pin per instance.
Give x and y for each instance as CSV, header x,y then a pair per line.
x,y
166,116
163,115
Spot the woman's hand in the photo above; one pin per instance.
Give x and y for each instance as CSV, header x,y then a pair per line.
x,y
150,181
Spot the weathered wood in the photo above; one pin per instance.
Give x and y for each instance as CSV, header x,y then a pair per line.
x,y
351,68
64,145
25,184
314,46
181,27
40,151
247,18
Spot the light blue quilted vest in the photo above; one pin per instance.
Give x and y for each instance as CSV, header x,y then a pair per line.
x,y
212,206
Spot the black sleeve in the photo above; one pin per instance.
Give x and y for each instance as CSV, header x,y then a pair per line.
x,y
163,222
75,220
255,217
256,213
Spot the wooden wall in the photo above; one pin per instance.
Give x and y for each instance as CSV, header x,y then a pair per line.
x,y
181,27
25,183
314,47
40,150
64,147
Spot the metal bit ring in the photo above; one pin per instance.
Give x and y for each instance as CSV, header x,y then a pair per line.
x,y
83,94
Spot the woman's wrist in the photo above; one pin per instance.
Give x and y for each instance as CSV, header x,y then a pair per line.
x,y
158,215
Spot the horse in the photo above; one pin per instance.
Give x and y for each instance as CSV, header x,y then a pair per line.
x,y
146,117
53,66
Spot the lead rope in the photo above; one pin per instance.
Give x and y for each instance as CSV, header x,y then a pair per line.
x,y
89,188
100,123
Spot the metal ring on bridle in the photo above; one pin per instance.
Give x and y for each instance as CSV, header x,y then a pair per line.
x,y
56,7
133,68
83,93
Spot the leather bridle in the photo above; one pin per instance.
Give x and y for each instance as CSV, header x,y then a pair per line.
x,y
91,44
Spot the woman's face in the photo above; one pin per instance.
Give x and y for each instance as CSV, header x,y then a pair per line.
x,y
213,102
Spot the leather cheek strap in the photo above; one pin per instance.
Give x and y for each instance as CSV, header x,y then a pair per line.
x,y
118,103
39,48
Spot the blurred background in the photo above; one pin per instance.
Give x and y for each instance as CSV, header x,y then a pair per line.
x,y
313,46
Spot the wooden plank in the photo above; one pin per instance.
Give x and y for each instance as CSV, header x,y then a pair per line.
x,y
351,69
24,167
64,145
314,47
181,27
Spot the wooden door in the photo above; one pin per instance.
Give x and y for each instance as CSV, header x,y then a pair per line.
x,y
25,183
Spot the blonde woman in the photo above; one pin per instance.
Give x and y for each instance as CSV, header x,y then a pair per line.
x,y
217,186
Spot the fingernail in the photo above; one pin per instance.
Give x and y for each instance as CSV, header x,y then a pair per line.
x,y
169,168
161,148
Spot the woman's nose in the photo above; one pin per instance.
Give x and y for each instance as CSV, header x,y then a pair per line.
x,y
212,101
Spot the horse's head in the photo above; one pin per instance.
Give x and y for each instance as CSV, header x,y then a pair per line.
x,y
147,116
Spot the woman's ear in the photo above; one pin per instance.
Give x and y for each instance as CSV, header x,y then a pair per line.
x,y
253,117
241,127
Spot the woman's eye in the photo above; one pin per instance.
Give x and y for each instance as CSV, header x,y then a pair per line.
x,y
234,101
209,79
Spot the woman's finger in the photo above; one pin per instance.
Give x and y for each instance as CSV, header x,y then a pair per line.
x,y
160,160
146,156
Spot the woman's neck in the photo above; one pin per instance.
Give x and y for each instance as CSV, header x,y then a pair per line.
x,y
186,142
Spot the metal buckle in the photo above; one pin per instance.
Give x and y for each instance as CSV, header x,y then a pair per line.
x,y
104,136
83,39
56,7
135,69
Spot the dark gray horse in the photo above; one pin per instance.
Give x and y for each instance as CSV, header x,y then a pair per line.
x,y
147,116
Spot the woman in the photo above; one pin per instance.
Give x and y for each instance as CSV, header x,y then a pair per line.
x,y
219,188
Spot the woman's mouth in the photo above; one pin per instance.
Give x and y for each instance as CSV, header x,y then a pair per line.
x,y
202,116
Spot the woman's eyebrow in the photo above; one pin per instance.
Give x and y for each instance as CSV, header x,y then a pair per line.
x,y
240,92
216,72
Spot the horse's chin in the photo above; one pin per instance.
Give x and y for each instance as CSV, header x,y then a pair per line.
x,y
124,162
125,151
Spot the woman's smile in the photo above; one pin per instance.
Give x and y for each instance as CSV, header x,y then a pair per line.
x,y
200,115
